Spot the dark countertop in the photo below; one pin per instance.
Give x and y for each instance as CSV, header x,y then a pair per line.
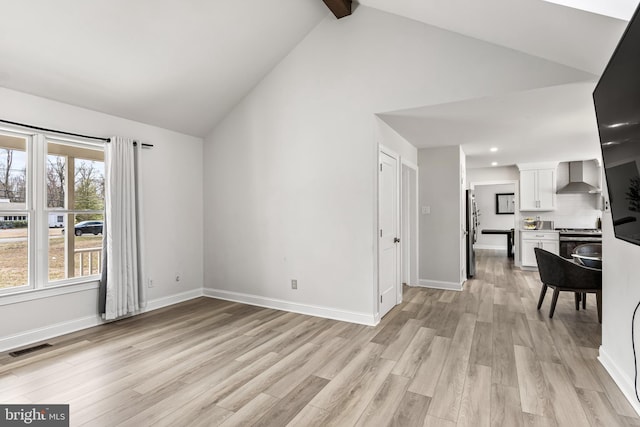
x,y
496,231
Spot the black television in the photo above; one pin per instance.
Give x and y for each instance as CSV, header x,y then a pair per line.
x,y
617,104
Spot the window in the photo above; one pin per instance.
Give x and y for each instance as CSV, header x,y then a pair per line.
x,y
75,184
45,185
15,233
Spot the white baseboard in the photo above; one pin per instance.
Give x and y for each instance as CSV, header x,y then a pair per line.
x,y
40,334
492,247
625,384
173,299
295,307
437,284
25,338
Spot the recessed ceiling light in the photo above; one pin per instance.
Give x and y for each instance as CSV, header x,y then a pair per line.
x,y
494,163
493,149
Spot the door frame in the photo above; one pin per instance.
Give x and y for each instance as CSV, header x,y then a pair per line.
x,y
408,225
376,296
516,214
463,218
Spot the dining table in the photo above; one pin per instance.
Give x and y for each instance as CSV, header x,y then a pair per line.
x,y
506,232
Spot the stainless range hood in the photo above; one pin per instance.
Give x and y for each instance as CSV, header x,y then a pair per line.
x,y
576,181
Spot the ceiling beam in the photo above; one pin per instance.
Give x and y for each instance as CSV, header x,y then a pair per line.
x,y
340,8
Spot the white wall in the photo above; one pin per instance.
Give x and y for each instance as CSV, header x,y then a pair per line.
x,y
173,218
439,190
486,202
392,140
290,177
492,175
620,294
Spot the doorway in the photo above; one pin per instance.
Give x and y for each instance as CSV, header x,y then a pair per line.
x,y
409,225
493,215
397,231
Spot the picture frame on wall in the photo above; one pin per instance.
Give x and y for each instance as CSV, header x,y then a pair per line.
x,y
505,204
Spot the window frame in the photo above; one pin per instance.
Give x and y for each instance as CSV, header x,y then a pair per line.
x,y
69,211
28,211
38,284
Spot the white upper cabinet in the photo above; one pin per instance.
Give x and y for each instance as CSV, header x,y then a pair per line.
x,y
528,197
546,189
538,187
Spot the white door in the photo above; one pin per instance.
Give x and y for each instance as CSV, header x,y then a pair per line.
x,y
388,236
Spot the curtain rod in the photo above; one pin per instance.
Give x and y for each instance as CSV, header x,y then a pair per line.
x,y
66,133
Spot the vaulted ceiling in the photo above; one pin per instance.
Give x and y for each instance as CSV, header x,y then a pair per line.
x,y
185,65
561,34
180,65
555,123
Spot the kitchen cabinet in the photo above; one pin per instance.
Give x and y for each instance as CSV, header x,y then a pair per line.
x,y
547,240
537,188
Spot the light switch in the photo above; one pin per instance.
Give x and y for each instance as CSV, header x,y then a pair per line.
x,y
426,210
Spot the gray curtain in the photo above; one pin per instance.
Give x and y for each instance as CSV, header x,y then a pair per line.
x,y
102,293
122,286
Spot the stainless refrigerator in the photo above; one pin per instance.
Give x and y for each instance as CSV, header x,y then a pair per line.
x,y
472,233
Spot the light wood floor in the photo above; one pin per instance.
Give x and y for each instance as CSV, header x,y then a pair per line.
x,y
480,357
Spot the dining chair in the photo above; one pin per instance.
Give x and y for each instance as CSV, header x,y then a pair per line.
x,y
562,274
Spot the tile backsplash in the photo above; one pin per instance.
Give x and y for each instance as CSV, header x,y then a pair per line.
x,y
573,211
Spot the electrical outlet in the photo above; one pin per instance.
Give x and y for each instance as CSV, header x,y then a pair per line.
x,y
294,284
150,284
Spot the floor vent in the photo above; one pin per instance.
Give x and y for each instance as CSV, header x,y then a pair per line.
x,y
28,350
